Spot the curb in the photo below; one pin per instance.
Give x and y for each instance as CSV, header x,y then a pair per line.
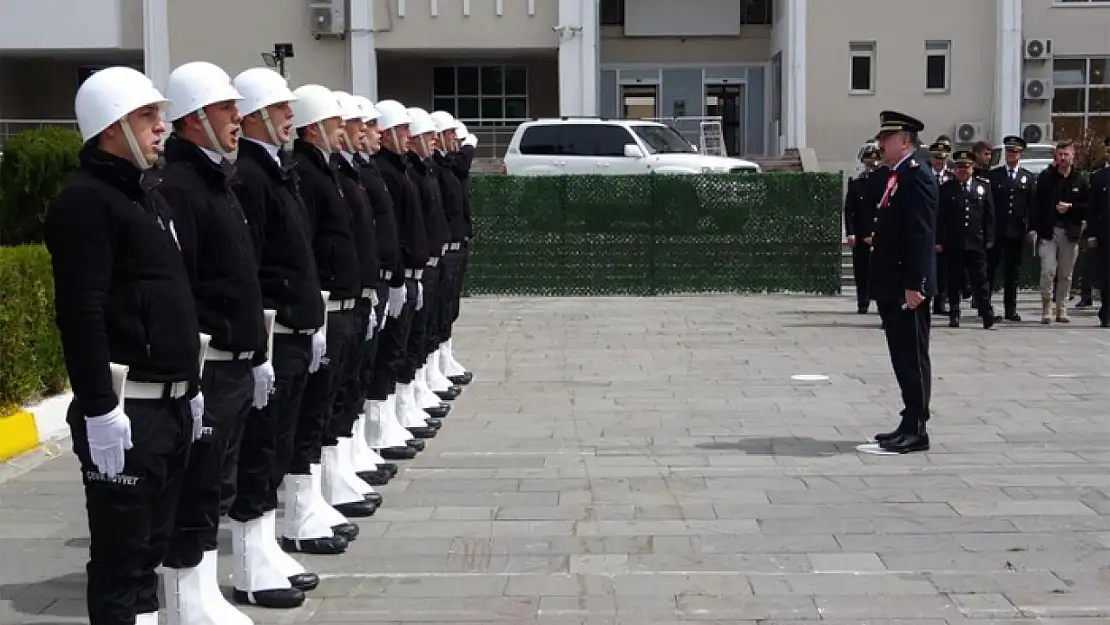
x,y
32,426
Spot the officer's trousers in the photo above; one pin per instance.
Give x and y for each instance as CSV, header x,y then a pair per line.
x,y
416,349
942,280
460,283
228,392
320,393
1004,267
131,516
369,352
968,268
360,368
268,436
391,357
907,339
861,272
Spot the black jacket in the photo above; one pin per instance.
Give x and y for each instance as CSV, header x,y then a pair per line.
x,y
1053,188
280,232
903,252
461,163
859,207
1013,199
967,218
451,191
120,290
1098,214
366,239
385,222
435,221
330,222
411,235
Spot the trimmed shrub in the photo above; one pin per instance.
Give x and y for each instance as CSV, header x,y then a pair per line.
x,y
35,165
31,364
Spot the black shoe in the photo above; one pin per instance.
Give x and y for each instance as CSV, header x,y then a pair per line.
x,y
907,443
423,432
450,394
349,531
439,411
389,468
1085,303
953,322
281,598
434,423
862,310
304,581
397,453
462,379
1013,316
330,546
374,498
356,510
377,477
989,320
416,444
886,436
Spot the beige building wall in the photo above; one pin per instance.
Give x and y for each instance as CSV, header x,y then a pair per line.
x,y
838,122
522,25
752,46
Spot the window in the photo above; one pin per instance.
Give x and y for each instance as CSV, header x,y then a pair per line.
x,y
756,12
937,64
611,13
663,140
862,66
1080,97
488,94
540,140
575,140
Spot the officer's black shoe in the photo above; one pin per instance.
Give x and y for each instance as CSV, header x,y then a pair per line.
x,y
356,510
389,468
377,477
1085,303
953,322
434,423
462,379
966,293
279,598
862,310
886,436
451,393
989,320
304,581
1013,316
397,453
348,531
425,432
330,546
439,411
907,443
416,444
374,498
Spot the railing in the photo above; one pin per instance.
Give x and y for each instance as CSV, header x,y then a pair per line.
x,y
9,127
493,135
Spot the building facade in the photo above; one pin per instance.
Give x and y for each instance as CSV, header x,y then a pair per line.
x,y
777,73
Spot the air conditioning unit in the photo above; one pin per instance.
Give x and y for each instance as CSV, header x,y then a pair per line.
x,y
970,132
1038,49
1036,133
329,18
1037,89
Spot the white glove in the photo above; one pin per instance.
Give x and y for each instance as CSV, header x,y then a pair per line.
x,y
396,302
471,140
419,295
196,405
373,323
109,437
319,348
264,378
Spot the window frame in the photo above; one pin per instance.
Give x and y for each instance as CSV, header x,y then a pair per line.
x,y
939,48
869,51
451,102
1085,89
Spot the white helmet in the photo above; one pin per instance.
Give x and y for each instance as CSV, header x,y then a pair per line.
x,y
261,87
111,94
196,85
369,113
461,133
314,104
444,121
421,123
392,114
349,104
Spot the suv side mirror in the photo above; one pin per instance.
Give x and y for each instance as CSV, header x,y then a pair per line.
x,y
631,150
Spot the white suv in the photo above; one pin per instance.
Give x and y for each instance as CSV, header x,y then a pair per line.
x,y
610,147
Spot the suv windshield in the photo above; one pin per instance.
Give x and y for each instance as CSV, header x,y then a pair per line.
x,y
1033,152
662,140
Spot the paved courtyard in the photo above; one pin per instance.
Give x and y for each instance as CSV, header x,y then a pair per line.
x,y
652,461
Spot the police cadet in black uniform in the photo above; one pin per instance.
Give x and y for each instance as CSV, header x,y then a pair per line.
x,y
122,296
1098,233
903,275
319,122
454,208
413,239
859,219
461,160
965,234
219,258
267,191
1013,189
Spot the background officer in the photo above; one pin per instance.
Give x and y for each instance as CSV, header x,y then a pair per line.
x,y
965,233
939,153
461,159
118,276
903,274
1012,188
1098,235
859,219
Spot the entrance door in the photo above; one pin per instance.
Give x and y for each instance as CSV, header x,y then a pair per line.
x,y
640,101
727,102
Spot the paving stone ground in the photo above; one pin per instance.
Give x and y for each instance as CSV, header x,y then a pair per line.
x,y
651,461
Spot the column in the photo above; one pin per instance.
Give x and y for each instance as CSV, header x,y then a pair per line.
x,y
156,41
363,50
1009,55
578,57
794,74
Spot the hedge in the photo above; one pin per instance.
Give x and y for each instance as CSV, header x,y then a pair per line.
x,y
31,363
35,165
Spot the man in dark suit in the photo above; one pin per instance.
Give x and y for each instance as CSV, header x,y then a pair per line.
x,y
859,219
1098,235
1012,187
903,274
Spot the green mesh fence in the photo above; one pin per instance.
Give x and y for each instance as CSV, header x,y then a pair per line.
x,y
656,235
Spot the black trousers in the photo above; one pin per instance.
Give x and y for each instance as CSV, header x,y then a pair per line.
x,y
369,349
416,350
460,286
348,399
1087,271
861,272
391,358
907,339
1100,260
942,279
228,392
268,436
131,516
968,268
320,394
1003,267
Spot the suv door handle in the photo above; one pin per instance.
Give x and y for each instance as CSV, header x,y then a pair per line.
x,y
559,163
604,164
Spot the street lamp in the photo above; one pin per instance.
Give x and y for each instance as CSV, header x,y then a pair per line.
x,y
276,59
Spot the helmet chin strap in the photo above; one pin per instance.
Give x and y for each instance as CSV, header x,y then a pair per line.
x,y
133,144
324,138
348,145
270,130
211,136
397,147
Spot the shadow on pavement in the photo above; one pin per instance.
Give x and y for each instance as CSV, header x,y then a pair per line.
x,y
799,447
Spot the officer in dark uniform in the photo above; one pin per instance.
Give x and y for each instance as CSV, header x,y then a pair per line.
x,y
454,208
859,219
903,274
121,296
939,153
1012,188
1098,234
965,233
461,160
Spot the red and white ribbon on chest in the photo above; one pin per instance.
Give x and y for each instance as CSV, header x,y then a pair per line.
x,y
891,187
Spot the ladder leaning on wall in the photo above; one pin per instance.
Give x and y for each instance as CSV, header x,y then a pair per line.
x,y
711,138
